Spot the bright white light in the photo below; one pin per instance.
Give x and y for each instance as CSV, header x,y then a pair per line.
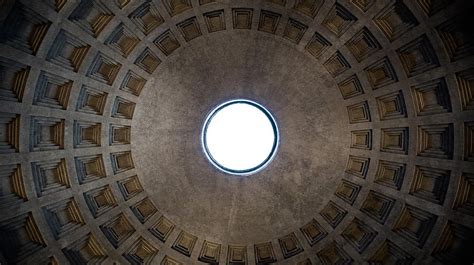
x,y
240,137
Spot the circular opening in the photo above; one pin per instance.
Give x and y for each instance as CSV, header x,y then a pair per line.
x,y
240,137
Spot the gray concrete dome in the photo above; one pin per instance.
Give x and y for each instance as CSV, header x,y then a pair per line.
x,y
103,102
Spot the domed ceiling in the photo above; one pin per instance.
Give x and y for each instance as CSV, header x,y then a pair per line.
x,y
103,104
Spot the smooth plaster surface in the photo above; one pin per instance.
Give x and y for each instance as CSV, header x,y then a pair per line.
x,y
188,189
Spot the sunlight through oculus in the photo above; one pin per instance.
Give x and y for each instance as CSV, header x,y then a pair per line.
x,y
240,137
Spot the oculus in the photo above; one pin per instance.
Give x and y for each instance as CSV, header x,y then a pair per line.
x,y
240,137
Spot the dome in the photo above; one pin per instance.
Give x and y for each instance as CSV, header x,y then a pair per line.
x,y
104,107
